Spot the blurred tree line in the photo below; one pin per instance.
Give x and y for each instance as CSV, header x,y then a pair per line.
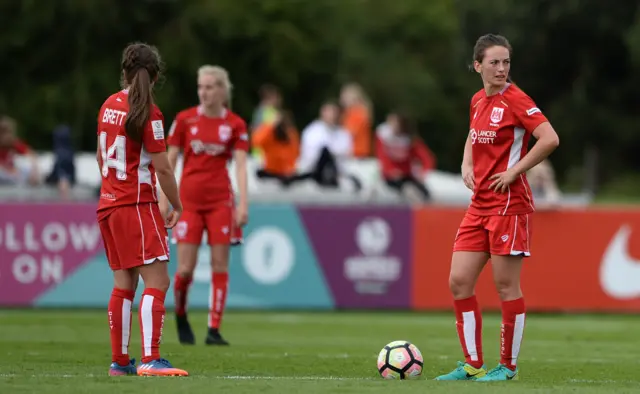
x,y
578,59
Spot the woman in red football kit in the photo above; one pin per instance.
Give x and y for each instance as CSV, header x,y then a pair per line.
x,y
497,224
131,152
208,135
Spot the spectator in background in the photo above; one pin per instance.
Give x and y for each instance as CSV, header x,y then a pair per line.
x,y
324,148
280,145
543,184
398,149
10,146
357,118
63,173
270,102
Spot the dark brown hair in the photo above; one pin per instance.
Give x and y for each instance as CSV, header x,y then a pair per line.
x,y
406,125
140,67
268,90
487,41
283,127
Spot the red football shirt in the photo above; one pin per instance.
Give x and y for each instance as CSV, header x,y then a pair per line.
x,y
128,176
207,144
7,155
501,126
397,153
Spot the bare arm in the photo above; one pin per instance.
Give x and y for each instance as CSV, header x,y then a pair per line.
x,y
547,142
467,165
172,154
467,157
98,155
167,179
240,159
172,157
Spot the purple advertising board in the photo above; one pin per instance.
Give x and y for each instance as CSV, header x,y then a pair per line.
x,y
365,254
41,245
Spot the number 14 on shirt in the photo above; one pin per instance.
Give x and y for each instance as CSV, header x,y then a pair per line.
x,y
115,156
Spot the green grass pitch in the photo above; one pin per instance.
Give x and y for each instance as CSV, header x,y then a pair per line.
x,y
53,351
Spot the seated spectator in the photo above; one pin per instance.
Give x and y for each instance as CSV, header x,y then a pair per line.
x,y
398,148
266,112
280,145
270,101
63,173
324,148
10,146
543,184
357,118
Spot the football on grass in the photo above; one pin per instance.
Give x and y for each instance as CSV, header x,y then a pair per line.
x,y
400,360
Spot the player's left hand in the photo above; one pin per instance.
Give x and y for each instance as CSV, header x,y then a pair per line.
x,y
241,216
502,180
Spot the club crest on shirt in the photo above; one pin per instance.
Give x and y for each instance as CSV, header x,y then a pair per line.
x,y
496,114
224,131
194,130
181,229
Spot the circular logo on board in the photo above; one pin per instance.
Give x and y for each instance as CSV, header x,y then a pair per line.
x,y
268,255
373,236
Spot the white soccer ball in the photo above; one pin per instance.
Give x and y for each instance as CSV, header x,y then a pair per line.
x,y
400,360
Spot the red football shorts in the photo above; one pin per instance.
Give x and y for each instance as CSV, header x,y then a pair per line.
x,y
497,235
219,223
134,235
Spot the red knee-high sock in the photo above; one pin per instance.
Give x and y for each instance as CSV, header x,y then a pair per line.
x,y
469,326
120,324
217,298
151,315
180,291
513,316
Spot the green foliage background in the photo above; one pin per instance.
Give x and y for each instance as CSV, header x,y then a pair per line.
x,y
578,59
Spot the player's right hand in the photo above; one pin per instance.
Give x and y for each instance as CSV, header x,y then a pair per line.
x,y
468,178
172,218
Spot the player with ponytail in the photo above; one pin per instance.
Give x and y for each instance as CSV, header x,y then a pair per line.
x,y
132,155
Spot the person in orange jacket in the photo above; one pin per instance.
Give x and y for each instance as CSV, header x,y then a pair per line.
x,y
279,143
357,119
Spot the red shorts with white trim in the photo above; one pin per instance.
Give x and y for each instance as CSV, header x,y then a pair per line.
x,y
134,235
498,235
219,223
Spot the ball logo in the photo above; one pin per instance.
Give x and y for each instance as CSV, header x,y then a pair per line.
x,y
372,270
373,236
268,255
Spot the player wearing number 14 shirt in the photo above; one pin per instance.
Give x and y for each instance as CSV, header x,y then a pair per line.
x,y
131,152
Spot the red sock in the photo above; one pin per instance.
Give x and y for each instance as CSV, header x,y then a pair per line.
x,y
469,326
513,316
120,324
180,291
151,315
217,298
